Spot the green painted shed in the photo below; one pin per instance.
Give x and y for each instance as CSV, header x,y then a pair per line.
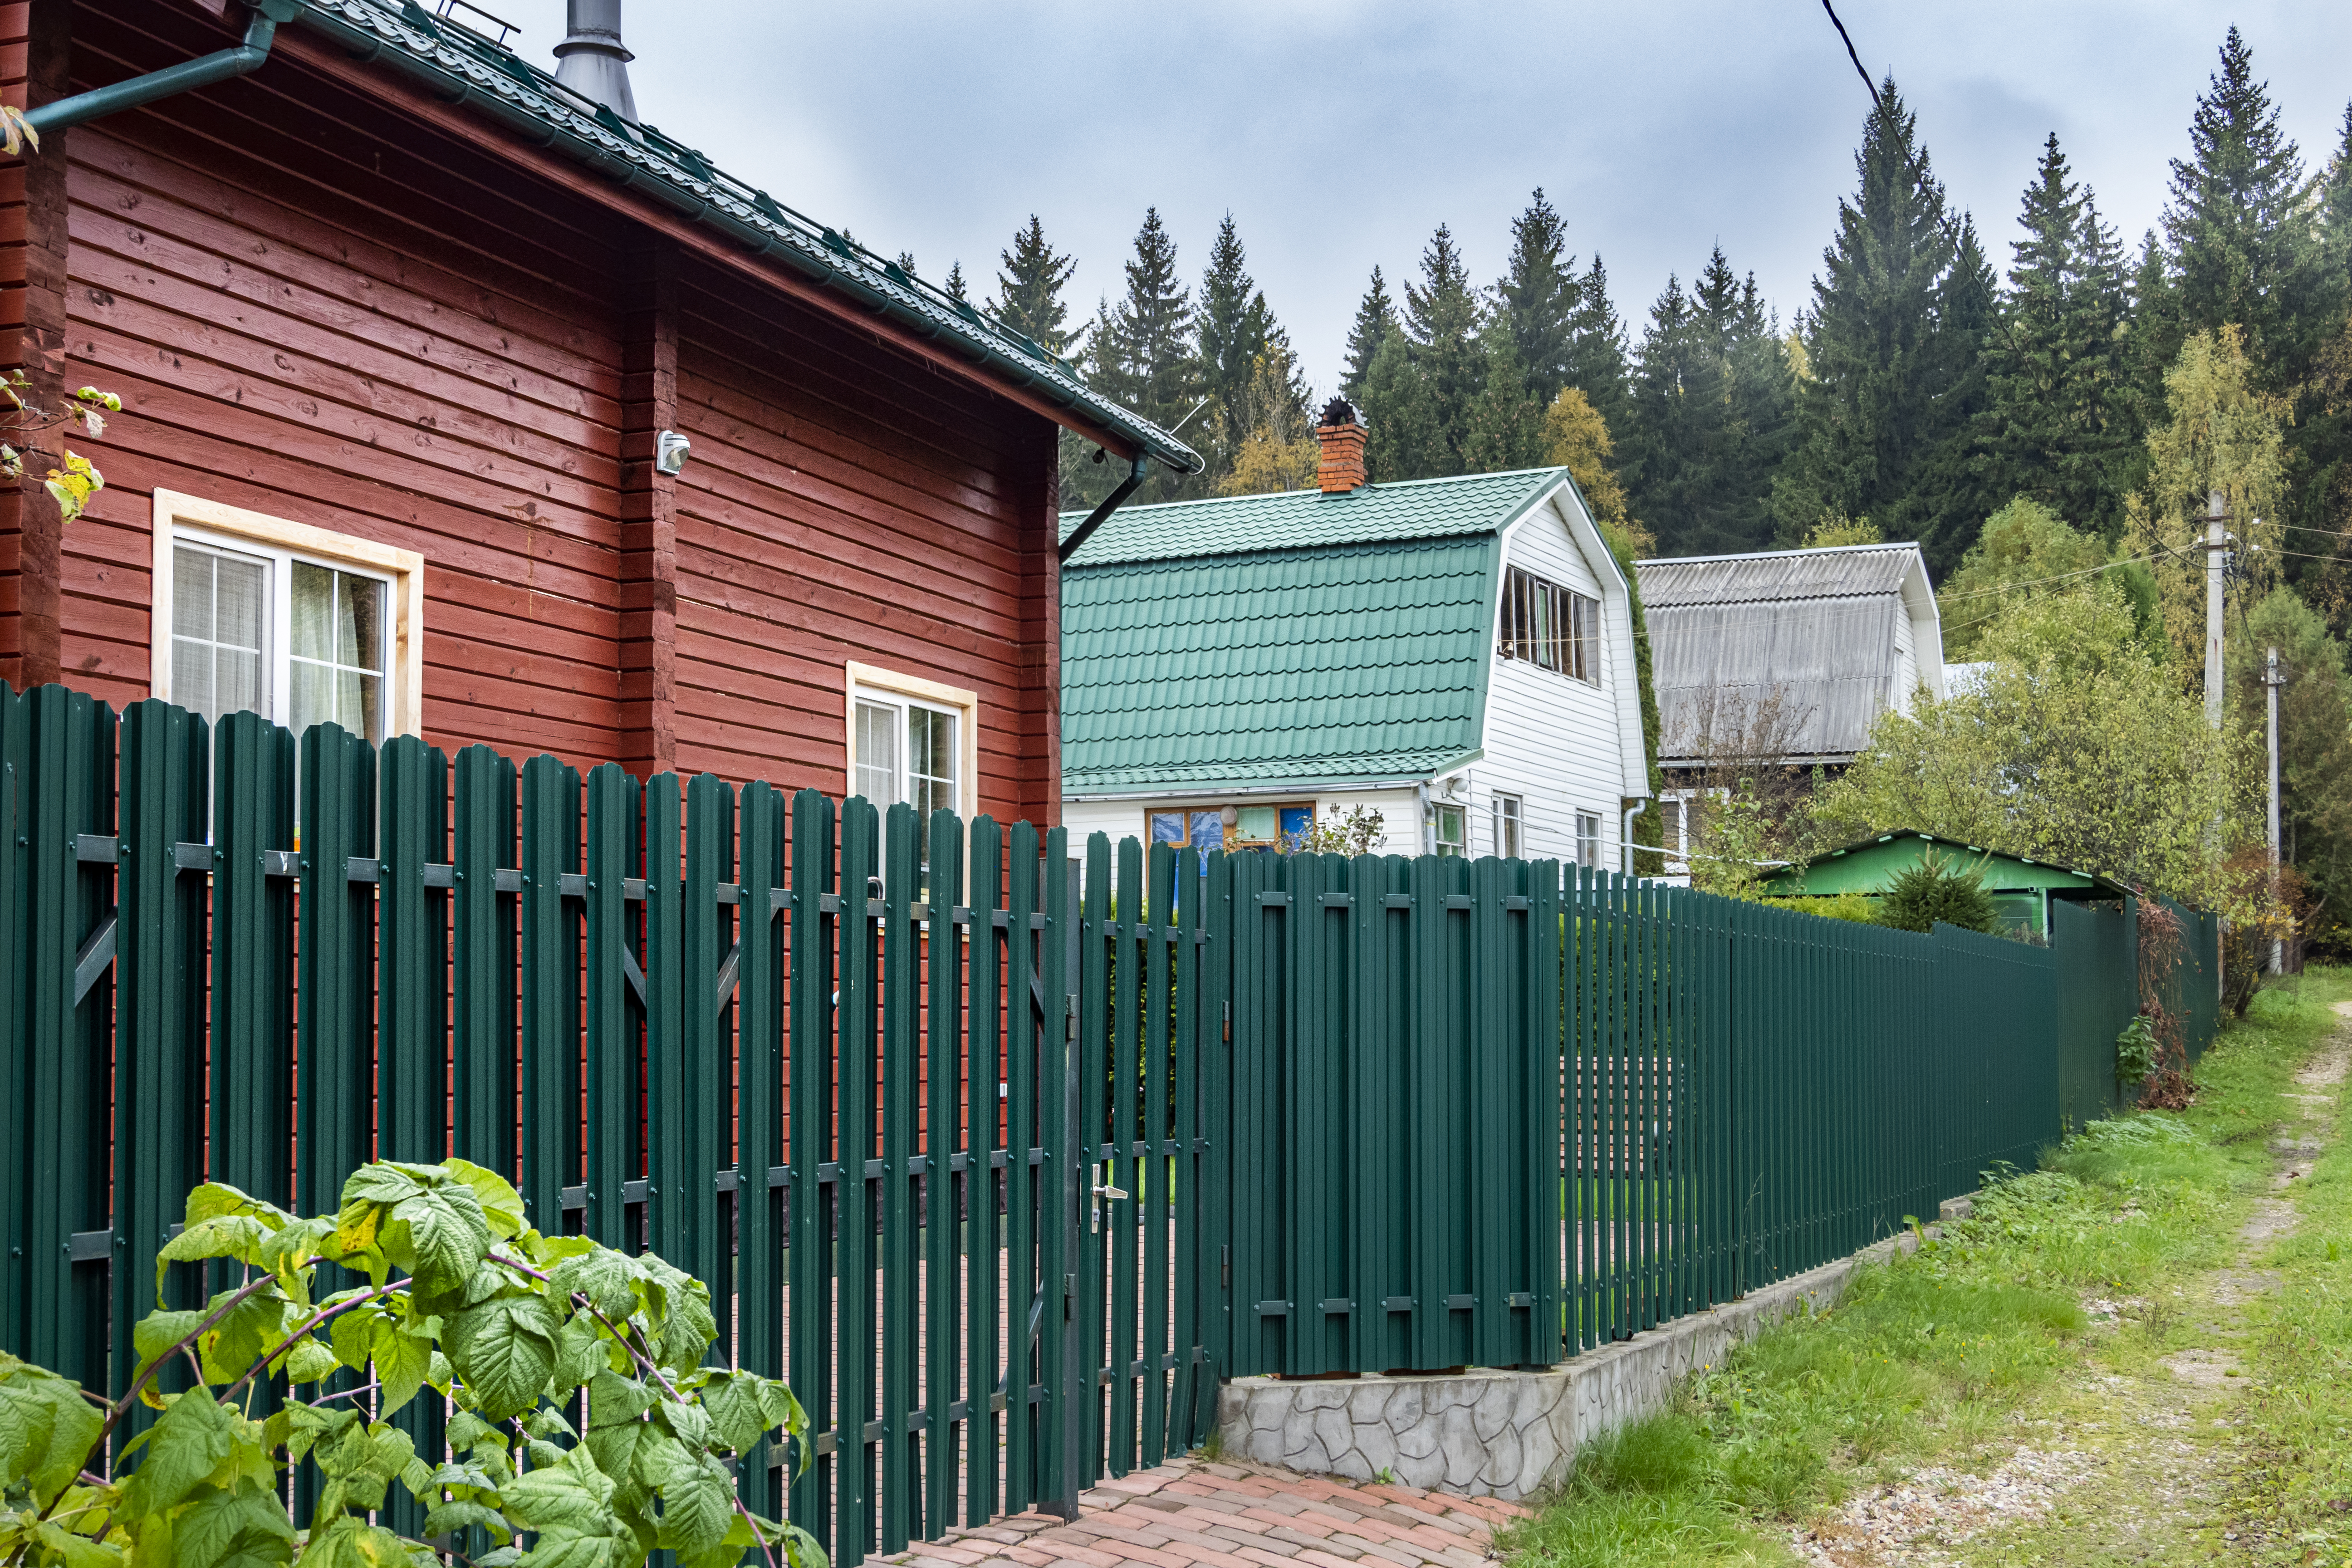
x,y
2022,889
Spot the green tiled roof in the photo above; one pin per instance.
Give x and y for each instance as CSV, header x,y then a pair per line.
x,y
1287,667
1284,641
462,66
1297,520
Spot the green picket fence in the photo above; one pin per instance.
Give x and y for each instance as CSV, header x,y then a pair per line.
x,y
1004,1157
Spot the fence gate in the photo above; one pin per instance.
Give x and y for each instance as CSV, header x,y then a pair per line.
x,y
829,1059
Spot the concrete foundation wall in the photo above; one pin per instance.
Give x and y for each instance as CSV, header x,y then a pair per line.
x,y
1504,1434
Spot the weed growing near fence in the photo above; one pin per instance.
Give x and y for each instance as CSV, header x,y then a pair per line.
x,y
1933,1358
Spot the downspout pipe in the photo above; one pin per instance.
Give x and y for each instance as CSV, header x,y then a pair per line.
x,y
171,80
1101,514
1633,811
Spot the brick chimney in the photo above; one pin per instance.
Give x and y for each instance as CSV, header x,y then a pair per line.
x,y
1341,468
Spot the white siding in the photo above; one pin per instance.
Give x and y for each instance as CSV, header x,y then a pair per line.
x,y
1557,743
1907,659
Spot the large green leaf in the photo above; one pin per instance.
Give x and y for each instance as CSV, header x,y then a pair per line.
x,y
450,1517
191,1436
215,1198
350,1542
62,1548
46,1429
603,1276
502,1204
438,1235
234,1236
504,1349
402,1360
248,1521
614,1399
698,1503
736,1416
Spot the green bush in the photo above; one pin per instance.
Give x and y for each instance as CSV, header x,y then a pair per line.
x,y
509,1325
1859,909
1938,889
2135,1050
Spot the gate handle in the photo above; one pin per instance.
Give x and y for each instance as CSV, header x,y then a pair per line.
x,y
1110,1193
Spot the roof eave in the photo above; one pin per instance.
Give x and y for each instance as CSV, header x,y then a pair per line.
x,y
721,208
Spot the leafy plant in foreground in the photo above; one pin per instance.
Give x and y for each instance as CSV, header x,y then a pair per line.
x,y
510,1326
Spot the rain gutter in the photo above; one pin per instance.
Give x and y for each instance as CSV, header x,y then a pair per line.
x,y
173,80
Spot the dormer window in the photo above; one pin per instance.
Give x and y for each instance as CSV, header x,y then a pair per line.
x,y
1549,626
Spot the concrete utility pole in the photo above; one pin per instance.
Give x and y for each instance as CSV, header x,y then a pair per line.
x,y
2215,515
2271,684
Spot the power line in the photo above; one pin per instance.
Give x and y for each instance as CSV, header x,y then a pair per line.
x,y
1851,55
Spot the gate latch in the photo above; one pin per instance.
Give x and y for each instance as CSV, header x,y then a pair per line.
x,y
1111,1194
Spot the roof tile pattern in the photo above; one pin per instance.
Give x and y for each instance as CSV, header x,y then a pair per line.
x,y
1307,520
1292,668
1776,575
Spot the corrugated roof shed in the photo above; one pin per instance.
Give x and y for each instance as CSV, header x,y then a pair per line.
x,y
1814,629
1287,640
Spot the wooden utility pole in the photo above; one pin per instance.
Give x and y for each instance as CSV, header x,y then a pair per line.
x,y
2216,513
2271,689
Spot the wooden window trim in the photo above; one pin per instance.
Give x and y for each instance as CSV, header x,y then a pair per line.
x,y
873,678
404,712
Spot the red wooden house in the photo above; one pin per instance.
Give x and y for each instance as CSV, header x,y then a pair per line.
x,y
400,323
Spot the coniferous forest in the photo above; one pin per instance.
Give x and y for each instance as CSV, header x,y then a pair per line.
x,y
1924,386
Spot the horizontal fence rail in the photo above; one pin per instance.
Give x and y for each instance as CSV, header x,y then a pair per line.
x,y
1003,1157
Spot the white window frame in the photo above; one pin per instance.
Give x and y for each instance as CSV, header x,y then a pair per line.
x,y
192,519
1459,845
873,683
1588,844
1511,810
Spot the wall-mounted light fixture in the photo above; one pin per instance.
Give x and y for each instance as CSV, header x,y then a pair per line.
x,y
669,455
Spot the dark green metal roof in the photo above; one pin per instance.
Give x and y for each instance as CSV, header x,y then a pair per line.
x,y
1868,864
1285,641
465,68
1294,520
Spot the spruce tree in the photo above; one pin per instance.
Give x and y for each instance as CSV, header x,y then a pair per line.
x,y
1506,425
1596,362
1441,319
956,287
1231,327
2241,244
1875,406
1376,319
1950,499
1535,299
1140,355
1029,288
1709,416
2057,425
1402,439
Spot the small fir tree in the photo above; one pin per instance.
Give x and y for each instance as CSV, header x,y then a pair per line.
x,y
1535,299
1029,288
1375,319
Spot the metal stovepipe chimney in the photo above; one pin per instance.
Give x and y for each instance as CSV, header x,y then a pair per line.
x,y
594,65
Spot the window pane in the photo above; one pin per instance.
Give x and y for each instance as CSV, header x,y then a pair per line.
x,y
314,612
1208,830
218,603
192,593
312,699
359,621
1167,826
932,759
359,703
1545,653
877,753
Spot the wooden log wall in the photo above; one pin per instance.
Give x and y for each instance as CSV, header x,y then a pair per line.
x,y
328,299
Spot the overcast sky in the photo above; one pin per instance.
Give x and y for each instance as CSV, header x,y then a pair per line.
x,y
1341,133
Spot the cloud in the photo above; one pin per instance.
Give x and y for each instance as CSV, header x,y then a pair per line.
x,y
1341,133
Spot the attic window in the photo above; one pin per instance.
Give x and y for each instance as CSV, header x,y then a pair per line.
x,y
1549,626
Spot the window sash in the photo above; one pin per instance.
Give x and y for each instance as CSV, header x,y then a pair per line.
x,y
1588,839
316,643
1510,816
908,752
1549,626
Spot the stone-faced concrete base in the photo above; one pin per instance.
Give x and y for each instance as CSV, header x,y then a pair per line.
x,y
1502,1434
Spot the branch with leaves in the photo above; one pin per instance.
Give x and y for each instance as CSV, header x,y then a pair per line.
x,y
462,1298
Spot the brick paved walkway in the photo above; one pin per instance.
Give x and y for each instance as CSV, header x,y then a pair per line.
x,y
1189,1512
